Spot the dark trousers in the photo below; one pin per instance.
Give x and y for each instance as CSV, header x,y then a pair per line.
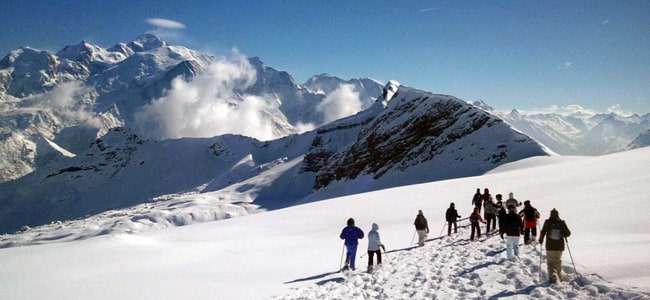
x,y
491,219
475,228
527,232
371,254
449,224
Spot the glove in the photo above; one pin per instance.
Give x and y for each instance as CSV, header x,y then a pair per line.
x,y
382,247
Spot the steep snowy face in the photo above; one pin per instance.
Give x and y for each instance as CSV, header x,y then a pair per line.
x,y
26,72
418,137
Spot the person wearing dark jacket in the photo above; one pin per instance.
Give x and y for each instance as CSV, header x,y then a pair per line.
x,y
476,200
351,234
555,230
421,227
501,211
530,216
474,220
513,227
452,218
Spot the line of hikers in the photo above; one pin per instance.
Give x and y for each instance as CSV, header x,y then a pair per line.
x,y
511,224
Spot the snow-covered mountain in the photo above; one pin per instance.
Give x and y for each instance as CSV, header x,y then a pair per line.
x,y
577,133
87,88
411,137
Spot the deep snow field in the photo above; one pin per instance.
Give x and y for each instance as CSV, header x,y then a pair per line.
x,y
294,253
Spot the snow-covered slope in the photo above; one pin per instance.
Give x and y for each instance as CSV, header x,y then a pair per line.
x,y
294,253
413,137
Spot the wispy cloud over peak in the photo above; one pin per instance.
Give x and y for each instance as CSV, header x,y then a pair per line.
x,y
166,23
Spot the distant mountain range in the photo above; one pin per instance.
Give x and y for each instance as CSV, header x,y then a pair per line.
x,y
88,130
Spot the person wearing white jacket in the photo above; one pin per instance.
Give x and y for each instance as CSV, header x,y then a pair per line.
x,y
374,245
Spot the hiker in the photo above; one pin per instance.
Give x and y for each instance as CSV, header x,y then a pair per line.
x,y
501,211
351,234
374,245
490,215
530,216
452,218
474,218
476,200
512,228
484,199
422,227
555,231
512,201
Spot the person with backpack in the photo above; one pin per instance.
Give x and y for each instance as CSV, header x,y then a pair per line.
x,y
374,245
512,228
474,220
530,216
490,215
452,217
351,234
422,227
555,230
476,200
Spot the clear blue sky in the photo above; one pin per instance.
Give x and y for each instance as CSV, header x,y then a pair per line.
x,y
512,54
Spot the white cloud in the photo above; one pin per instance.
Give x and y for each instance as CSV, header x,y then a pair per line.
x,y
342,102
210,105
166,23
617,109
70,100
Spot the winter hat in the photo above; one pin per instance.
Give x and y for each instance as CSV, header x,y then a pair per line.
x,y
527,202
452,204
555,214
420,212
350,222
499,196
375,226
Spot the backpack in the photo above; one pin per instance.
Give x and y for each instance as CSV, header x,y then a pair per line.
x,y
513,223
555,232
531,214
419,221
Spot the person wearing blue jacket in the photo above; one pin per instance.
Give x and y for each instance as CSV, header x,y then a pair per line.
x,y
351,234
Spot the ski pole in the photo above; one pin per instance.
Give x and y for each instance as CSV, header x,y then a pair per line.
x,y
570,255
413,238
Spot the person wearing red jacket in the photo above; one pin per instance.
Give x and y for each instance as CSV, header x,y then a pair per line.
x,y
530,215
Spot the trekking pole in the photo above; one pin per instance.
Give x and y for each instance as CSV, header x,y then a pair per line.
x,y
570,255
443,228
341,263
413,238
540,255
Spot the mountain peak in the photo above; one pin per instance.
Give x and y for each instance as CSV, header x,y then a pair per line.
x,y
146,42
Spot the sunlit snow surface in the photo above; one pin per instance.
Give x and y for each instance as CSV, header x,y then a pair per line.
x,y
294,253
